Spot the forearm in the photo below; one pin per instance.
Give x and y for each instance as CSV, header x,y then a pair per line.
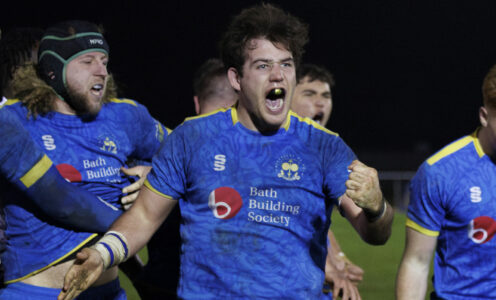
x,y
140,222
71,205
411,281
377,232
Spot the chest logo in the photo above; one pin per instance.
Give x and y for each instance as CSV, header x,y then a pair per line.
x,y
109,146
289,168
475,194
48,142
219,162
225,202
482,229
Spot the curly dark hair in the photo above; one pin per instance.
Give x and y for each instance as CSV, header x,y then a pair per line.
x,y
314,72
262,21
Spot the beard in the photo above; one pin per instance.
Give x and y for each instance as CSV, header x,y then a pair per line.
x,y
82,105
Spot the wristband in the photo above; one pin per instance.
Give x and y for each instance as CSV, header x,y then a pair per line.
x,y
113,248
372,218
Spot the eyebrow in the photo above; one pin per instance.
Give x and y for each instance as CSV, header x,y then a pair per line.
x,y
266,60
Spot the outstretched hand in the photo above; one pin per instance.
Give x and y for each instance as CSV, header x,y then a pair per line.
x,y
336,277
133,189
363,187
82,274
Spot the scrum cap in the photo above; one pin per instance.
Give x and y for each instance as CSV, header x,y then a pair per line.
x,y
62,43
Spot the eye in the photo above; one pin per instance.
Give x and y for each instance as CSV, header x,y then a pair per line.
x,y
287,65
263,66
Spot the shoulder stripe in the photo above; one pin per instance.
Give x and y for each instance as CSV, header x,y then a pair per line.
x,y
128,101
149,186
11,102
91,237
207,114
455,146
37,171
417,227
312,123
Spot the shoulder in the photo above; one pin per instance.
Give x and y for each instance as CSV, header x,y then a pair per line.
x,y
13,106
458,153
301,123
451,161
217,118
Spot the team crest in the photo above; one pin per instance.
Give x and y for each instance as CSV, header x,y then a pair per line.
x,y
289,168
108,145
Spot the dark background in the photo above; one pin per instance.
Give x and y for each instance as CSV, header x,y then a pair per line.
x,y
408,73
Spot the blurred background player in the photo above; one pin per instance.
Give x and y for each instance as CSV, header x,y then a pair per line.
x,y
313,99
89,134
211,87
452,212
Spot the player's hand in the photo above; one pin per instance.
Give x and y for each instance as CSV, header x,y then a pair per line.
x,y
82,274
338,281
133,189
353,272
363,187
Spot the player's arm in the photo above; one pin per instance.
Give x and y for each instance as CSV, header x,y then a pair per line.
x,y
68,204
411,281
364,206
335,255
134,228
24,164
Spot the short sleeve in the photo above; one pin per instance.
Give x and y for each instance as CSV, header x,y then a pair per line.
x,y
425,210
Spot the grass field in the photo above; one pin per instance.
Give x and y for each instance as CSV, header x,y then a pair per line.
x,y
379,262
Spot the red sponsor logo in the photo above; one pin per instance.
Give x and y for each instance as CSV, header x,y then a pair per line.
x,y
225,202
482,229
69,173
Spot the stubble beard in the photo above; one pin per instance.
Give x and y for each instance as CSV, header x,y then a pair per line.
x,y
82,104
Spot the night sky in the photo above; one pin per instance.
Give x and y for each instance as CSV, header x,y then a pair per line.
x,y
408,73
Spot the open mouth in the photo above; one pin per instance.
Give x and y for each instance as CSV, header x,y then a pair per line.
x,y
318,117
275,99
97,89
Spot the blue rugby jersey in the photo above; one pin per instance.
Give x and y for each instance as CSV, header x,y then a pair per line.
x,y
453,198
87,153
255,208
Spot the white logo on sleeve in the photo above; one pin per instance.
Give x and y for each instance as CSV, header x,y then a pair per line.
x,y
219,162
48,141
475,194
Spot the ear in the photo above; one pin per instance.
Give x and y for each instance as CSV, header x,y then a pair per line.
x,y
197,104
234,78
483,116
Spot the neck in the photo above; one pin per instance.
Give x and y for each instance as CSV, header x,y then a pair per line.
x,y
487,141
62,107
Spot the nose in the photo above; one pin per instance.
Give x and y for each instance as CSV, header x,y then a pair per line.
x,y
320,101
101,69
276,73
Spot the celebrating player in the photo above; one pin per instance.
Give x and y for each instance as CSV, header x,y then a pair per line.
x,y
256,184
89,135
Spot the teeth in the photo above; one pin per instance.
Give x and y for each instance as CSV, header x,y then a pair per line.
x,y
274,105
97,86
